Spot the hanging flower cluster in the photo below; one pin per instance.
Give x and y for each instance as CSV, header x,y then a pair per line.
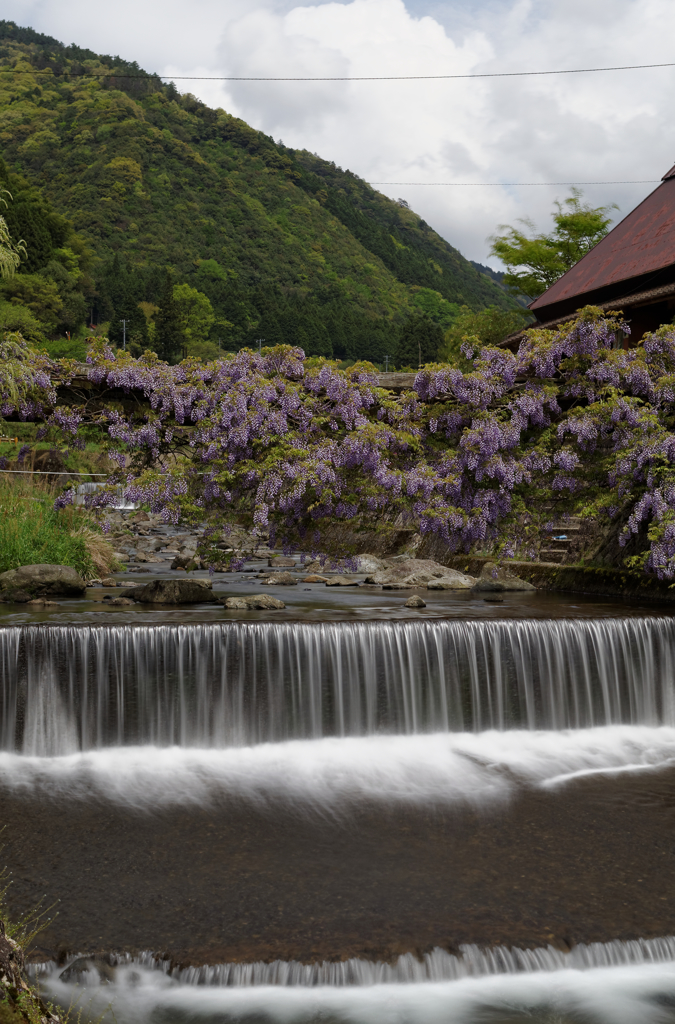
x,y
289,446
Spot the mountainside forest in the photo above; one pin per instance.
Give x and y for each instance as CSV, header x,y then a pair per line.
x,y
142,205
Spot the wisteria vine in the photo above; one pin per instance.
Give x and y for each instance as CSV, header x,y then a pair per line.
x,y
288,446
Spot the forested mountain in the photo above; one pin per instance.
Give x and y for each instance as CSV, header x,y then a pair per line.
x,y
265,242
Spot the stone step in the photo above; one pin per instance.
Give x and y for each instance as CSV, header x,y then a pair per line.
x,y
552,554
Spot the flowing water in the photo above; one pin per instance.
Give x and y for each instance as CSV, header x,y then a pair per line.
x,y
84,688
245,754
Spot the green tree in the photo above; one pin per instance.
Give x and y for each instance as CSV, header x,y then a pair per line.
x,y
535,262
488,326
20,320
39,295
418,342
169,337
10,252
195,314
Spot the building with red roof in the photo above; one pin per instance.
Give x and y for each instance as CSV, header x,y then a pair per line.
x,y
632,269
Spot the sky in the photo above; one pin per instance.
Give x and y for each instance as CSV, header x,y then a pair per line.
x,y
604,127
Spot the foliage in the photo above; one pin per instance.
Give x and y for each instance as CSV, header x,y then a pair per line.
x,y
280,443
485,327
26,388
195,316
33,531
10,251
65,348
15,318
419,341
39,295
442,312
285,246
51,278
545,258
168,336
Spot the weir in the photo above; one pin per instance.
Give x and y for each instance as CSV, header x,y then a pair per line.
x,y
73,688
324,797
436,966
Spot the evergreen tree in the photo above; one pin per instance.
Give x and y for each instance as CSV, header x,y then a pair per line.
x,y
169,338
121,290
418,342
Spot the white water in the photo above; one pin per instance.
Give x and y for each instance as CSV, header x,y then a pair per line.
x,y
439,965
499,986
323,718
333,773
72,688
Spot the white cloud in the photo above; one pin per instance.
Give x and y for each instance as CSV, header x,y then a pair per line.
x,y
585,127
574,127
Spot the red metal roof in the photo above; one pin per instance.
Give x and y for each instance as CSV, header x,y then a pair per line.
x,y
642,242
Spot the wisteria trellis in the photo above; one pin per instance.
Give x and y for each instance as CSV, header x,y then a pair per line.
x,y
292,446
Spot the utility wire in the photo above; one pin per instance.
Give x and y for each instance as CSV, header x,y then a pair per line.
x,y
115,72
509,184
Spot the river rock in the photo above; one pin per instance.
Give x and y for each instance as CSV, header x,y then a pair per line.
x,y
253,602
341,581
495,577
315,565
147,556
314,578
408,572
370,563
281,579
119,602
181,591
40,581
415,602
281,561
182,561
42,602
108,581
452,580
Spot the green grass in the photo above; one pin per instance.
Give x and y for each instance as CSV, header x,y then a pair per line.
x,y
32,532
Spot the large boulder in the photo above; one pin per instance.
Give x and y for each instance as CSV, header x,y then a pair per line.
x,y
370,563
408,572
187,591
495,577
452,580
40,581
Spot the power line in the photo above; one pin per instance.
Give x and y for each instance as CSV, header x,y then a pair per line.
x,y
513,184
114,73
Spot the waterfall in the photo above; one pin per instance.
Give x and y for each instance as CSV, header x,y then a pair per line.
x,y
436,966
72,688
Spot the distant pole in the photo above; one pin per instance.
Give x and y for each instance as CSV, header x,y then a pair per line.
x,y
124,333
386,364
260,341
